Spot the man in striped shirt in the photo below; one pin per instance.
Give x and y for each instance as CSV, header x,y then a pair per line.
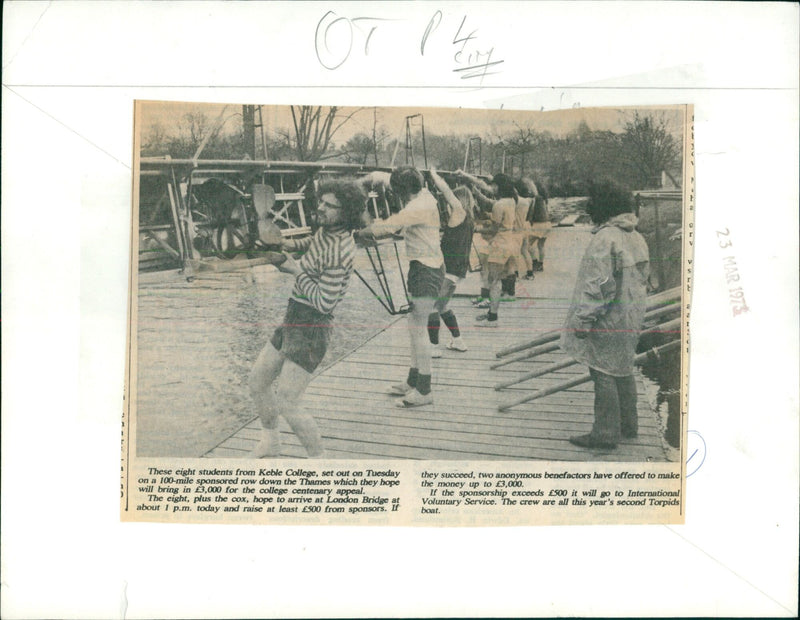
x,y
285,365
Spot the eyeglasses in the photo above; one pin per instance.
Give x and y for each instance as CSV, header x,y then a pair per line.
x,y
330,205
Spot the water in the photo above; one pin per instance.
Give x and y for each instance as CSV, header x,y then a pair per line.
x,y
665,373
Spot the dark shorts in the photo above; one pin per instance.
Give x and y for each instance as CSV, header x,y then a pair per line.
x,y
424,281
304,335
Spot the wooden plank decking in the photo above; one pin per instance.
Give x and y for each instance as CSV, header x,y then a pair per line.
x,y
358,420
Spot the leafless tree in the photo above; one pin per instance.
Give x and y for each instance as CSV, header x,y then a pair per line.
x,y
517,147
314,130
648,147
154,140
194,127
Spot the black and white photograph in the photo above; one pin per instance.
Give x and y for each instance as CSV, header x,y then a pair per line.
x,y
398,283
399,309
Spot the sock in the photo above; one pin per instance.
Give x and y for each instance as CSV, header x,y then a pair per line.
x,y
512,284
424,384
484,293
433,327
449,319
491,316
413,374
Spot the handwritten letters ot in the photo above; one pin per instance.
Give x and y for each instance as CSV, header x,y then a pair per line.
x,y
336,36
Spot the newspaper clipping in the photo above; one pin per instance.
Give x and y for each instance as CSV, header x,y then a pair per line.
x,y
400,316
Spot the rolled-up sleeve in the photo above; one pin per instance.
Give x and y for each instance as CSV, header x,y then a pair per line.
x,y
398,221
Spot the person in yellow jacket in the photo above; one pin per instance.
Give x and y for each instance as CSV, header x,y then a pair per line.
x,y
607,312
504,246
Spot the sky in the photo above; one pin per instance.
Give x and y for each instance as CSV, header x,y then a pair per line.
x,y
441,121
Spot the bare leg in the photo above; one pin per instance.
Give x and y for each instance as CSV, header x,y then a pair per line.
x,y
533,250
277,385
526,255
411,340
289,389
495,286
418,333
262,378
485,271
440,303
421,354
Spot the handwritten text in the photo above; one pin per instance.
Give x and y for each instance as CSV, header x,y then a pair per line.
x,y
473,58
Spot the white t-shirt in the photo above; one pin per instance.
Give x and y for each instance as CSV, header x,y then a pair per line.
x,y
419,222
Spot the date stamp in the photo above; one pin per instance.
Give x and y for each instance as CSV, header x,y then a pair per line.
x,y
732,276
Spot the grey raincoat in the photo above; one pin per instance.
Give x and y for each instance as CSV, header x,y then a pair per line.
x,y
609,298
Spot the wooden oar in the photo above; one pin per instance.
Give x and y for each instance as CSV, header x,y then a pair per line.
x,y
269,258
657,305
536,351
638,360
669,326
547,348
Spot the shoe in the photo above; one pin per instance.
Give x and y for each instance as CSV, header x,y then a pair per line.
x,y
508,298
538,266
477,300
457,344
484,304
436,352
528,276
587,441
399,389
415,399
482,320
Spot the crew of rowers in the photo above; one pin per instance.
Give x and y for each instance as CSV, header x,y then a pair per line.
x,y
505,220
499,212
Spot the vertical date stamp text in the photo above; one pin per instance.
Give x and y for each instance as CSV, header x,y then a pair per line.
x,y
733,278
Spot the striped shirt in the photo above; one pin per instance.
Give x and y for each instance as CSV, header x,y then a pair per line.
x,y
326,268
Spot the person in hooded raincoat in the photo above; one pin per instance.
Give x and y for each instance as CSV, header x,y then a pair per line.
x,y
607,312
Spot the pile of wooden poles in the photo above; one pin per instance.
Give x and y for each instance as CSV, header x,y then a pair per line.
x,y
662,315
